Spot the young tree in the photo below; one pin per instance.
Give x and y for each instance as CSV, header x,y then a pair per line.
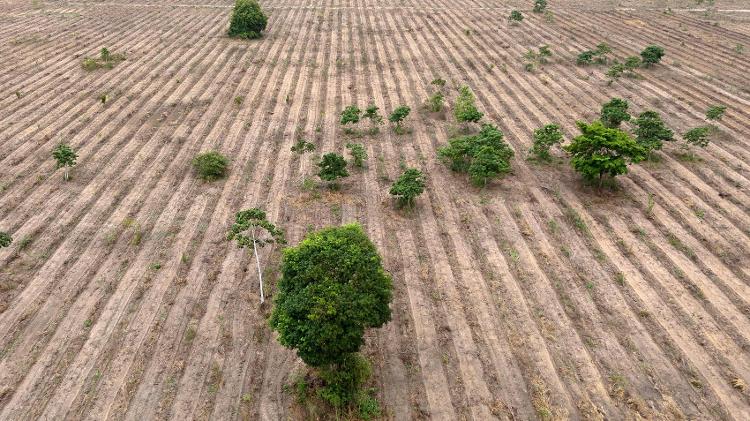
x,y
585,58
211,165
435,102
252,228
397,117
601,150
408,186
651,132
5,239
540,6
248,20
359,154
465,110
515,17
484,155
65,157
632,63
303,146
615,112
351,115
698,136
332,167
715,112
333,287
652,55
601,53
544,138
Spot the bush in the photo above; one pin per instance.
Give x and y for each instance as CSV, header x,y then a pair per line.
x,y
585,58
333,287
332,166
544,138
632,62
248,20
358,153
540,6
303,146
652,55
698,136
408,186
515,17
601,150
351,115
715,112
615,112
211,165
344,380
65,157
106,60
5,239
465,110
484,155
650,131
397,117
371,113
435,102
534,59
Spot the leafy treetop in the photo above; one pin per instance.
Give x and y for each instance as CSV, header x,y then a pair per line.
x,y
715,112
484,155
615,112
515,16
540,6
248,20
332,166
652,55
601,150
398,115
211,165
408,186
332,288
65,157
371,113
358,153
465,110
650,131
351,115
698,136
5,239
544,138
249,227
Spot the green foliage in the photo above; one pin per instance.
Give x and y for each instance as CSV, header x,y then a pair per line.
x,y
371,113
248,20
435,102
616,70
438,82
534,59
715,112
65,157
211,165
652,55
601,150
484,155
358,153
698,136
650,131
540,6
344,380
632,62
351,115
408,186
585,58
615,112
544,138
397,117
515,17
332,166
106,60
332,288
465,110
303,146
5,239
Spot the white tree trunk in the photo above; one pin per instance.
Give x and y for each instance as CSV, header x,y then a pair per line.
x,y
260,274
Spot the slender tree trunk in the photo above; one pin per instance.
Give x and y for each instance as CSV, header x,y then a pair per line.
x,y
257,262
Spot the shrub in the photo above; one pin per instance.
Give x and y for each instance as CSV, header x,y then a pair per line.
x,y
350,115
211,165
332,288
438,82
540,6
698,136
515,17
484,155
371,113
615,112
397,117
435,102
715,112
332,167
252,228
5,239
303,146
248,20
632,62
465,110
585,58
601,53
65,157
534,59
544,138
650,131
106,60
601,150
652,55
408,186
358,153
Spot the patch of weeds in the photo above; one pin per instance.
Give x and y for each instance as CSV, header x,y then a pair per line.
x,y
190,333
238,100
699,213
106,60
24,242
154,266
620,278
336,211
565,251
577,221
87,324
675,242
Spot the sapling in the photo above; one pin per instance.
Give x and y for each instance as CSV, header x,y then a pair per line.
x,y
372,114
65,157
332,166
350,116
650,131
251,227
652,55
397,117
544,138
465,110
408,186
5,239
359,154
515,17
540,6
615,112
715,112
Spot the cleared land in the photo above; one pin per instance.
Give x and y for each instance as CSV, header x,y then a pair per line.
x,y
535,297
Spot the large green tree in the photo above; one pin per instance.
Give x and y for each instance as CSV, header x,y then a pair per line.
x,y
483,156
333,287
601,150
248,20
251,228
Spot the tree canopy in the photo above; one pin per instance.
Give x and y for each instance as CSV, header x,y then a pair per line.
x,y
65,157
465,110
248,20
650,131
544,138
652,55
408,186
615,112
484,155
332,166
